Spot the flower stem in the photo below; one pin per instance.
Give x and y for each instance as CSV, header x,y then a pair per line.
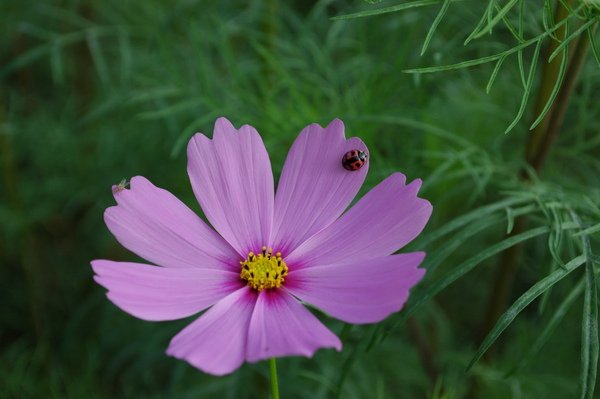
x,y
273,373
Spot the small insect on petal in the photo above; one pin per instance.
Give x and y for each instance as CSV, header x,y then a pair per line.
x,y
120,187
354,160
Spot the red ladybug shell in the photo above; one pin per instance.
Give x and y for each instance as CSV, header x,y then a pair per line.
x,y
354,160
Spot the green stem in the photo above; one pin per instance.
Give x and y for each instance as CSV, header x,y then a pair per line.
x,y
273,372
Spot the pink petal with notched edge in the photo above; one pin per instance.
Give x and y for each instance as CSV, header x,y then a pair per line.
x,y
160,293
155,225
314,188
216,342
364,291
232,179
281,326
383,221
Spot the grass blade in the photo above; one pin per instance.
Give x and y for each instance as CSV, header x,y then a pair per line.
x,y
489,58
559,79
546,333
494,74
589,322
527,92
507,318
595,51
590,230
589,334
385,10
435,24
436,287
477,214
570,38
497,18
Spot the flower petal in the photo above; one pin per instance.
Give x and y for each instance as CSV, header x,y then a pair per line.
x,y
155,225
366,291
232,179
281,326
383,221
160,293
216,342
314,188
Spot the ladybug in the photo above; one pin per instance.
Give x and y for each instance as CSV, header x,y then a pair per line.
x,y
354,160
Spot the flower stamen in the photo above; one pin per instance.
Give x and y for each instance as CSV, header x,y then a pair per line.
x,y
264,270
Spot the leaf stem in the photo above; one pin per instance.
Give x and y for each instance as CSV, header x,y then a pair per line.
x,y
273,374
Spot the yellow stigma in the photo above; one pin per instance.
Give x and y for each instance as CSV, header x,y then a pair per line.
x,y
264,270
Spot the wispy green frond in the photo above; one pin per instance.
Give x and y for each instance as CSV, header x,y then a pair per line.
x,y
529,296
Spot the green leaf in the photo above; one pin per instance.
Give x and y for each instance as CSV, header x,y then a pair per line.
x,y
385,10
555,237
479,24
520,53
590,230
559,79
589,335
595,50
510,218
488,88
529,296
462,237
435,24
497,18
475,215
97,56
570,38
421,297
589,322
190,129
489,58
546,333
528,87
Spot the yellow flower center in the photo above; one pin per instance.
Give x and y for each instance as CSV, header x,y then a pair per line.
x,y
264,270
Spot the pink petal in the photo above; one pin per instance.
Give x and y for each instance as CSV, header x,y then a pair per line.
x,y
216,342
314,188
232,179
155,225
160,293
364,291
281,326
383,221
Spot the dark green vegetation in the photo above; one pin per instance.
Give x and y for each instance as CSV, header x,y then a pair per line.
x,y
94,92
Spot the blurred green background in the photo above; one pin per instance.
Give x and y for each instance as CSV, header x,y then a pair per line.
x,y
93,92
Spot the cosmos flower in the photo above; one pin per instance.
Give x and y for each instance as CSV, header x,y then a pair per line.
x,y
269,253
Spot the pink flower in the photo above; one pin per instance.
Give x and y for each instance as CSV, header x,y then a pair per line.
x,y
268,251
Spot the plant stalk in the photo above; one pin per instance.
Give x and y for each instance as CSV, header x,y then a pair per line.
x,y
273,373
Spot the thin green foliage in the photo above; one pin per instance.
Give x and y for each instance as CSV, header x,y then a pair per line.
x,y
528,87
590,342
420,297
549,328
588,231
494,74
555,89
592,38
524,300
386,10
494,57
570,38
520,53
434,25
497,18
